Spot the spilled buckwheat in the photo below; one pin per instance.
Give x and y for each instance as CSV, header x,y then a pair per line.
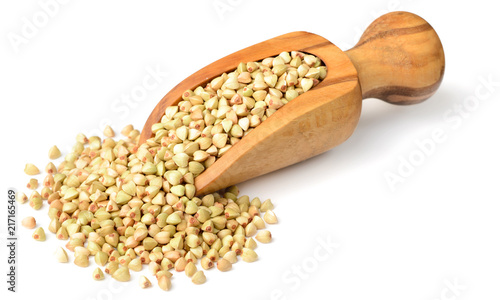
x,y
130,205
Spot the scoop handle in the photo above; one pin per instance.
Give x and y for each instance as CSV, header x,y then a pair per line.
x,y
399,59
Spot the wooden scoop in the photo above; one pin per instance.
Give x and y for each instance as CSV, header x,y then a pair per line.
x,y
399,59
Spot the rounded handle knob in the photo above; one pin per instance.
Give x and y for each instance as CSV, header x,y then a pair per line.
x,y
399,59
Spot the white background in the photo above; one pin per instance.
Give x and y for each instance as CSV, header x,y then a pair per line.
x,y
438,228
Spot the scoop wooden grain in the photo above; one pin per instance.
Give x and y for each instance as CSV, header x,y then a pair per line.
x,y
398,59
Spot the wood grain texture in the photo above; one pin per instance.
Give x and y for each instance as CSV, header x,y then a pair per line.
x,y
399,59
307,126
